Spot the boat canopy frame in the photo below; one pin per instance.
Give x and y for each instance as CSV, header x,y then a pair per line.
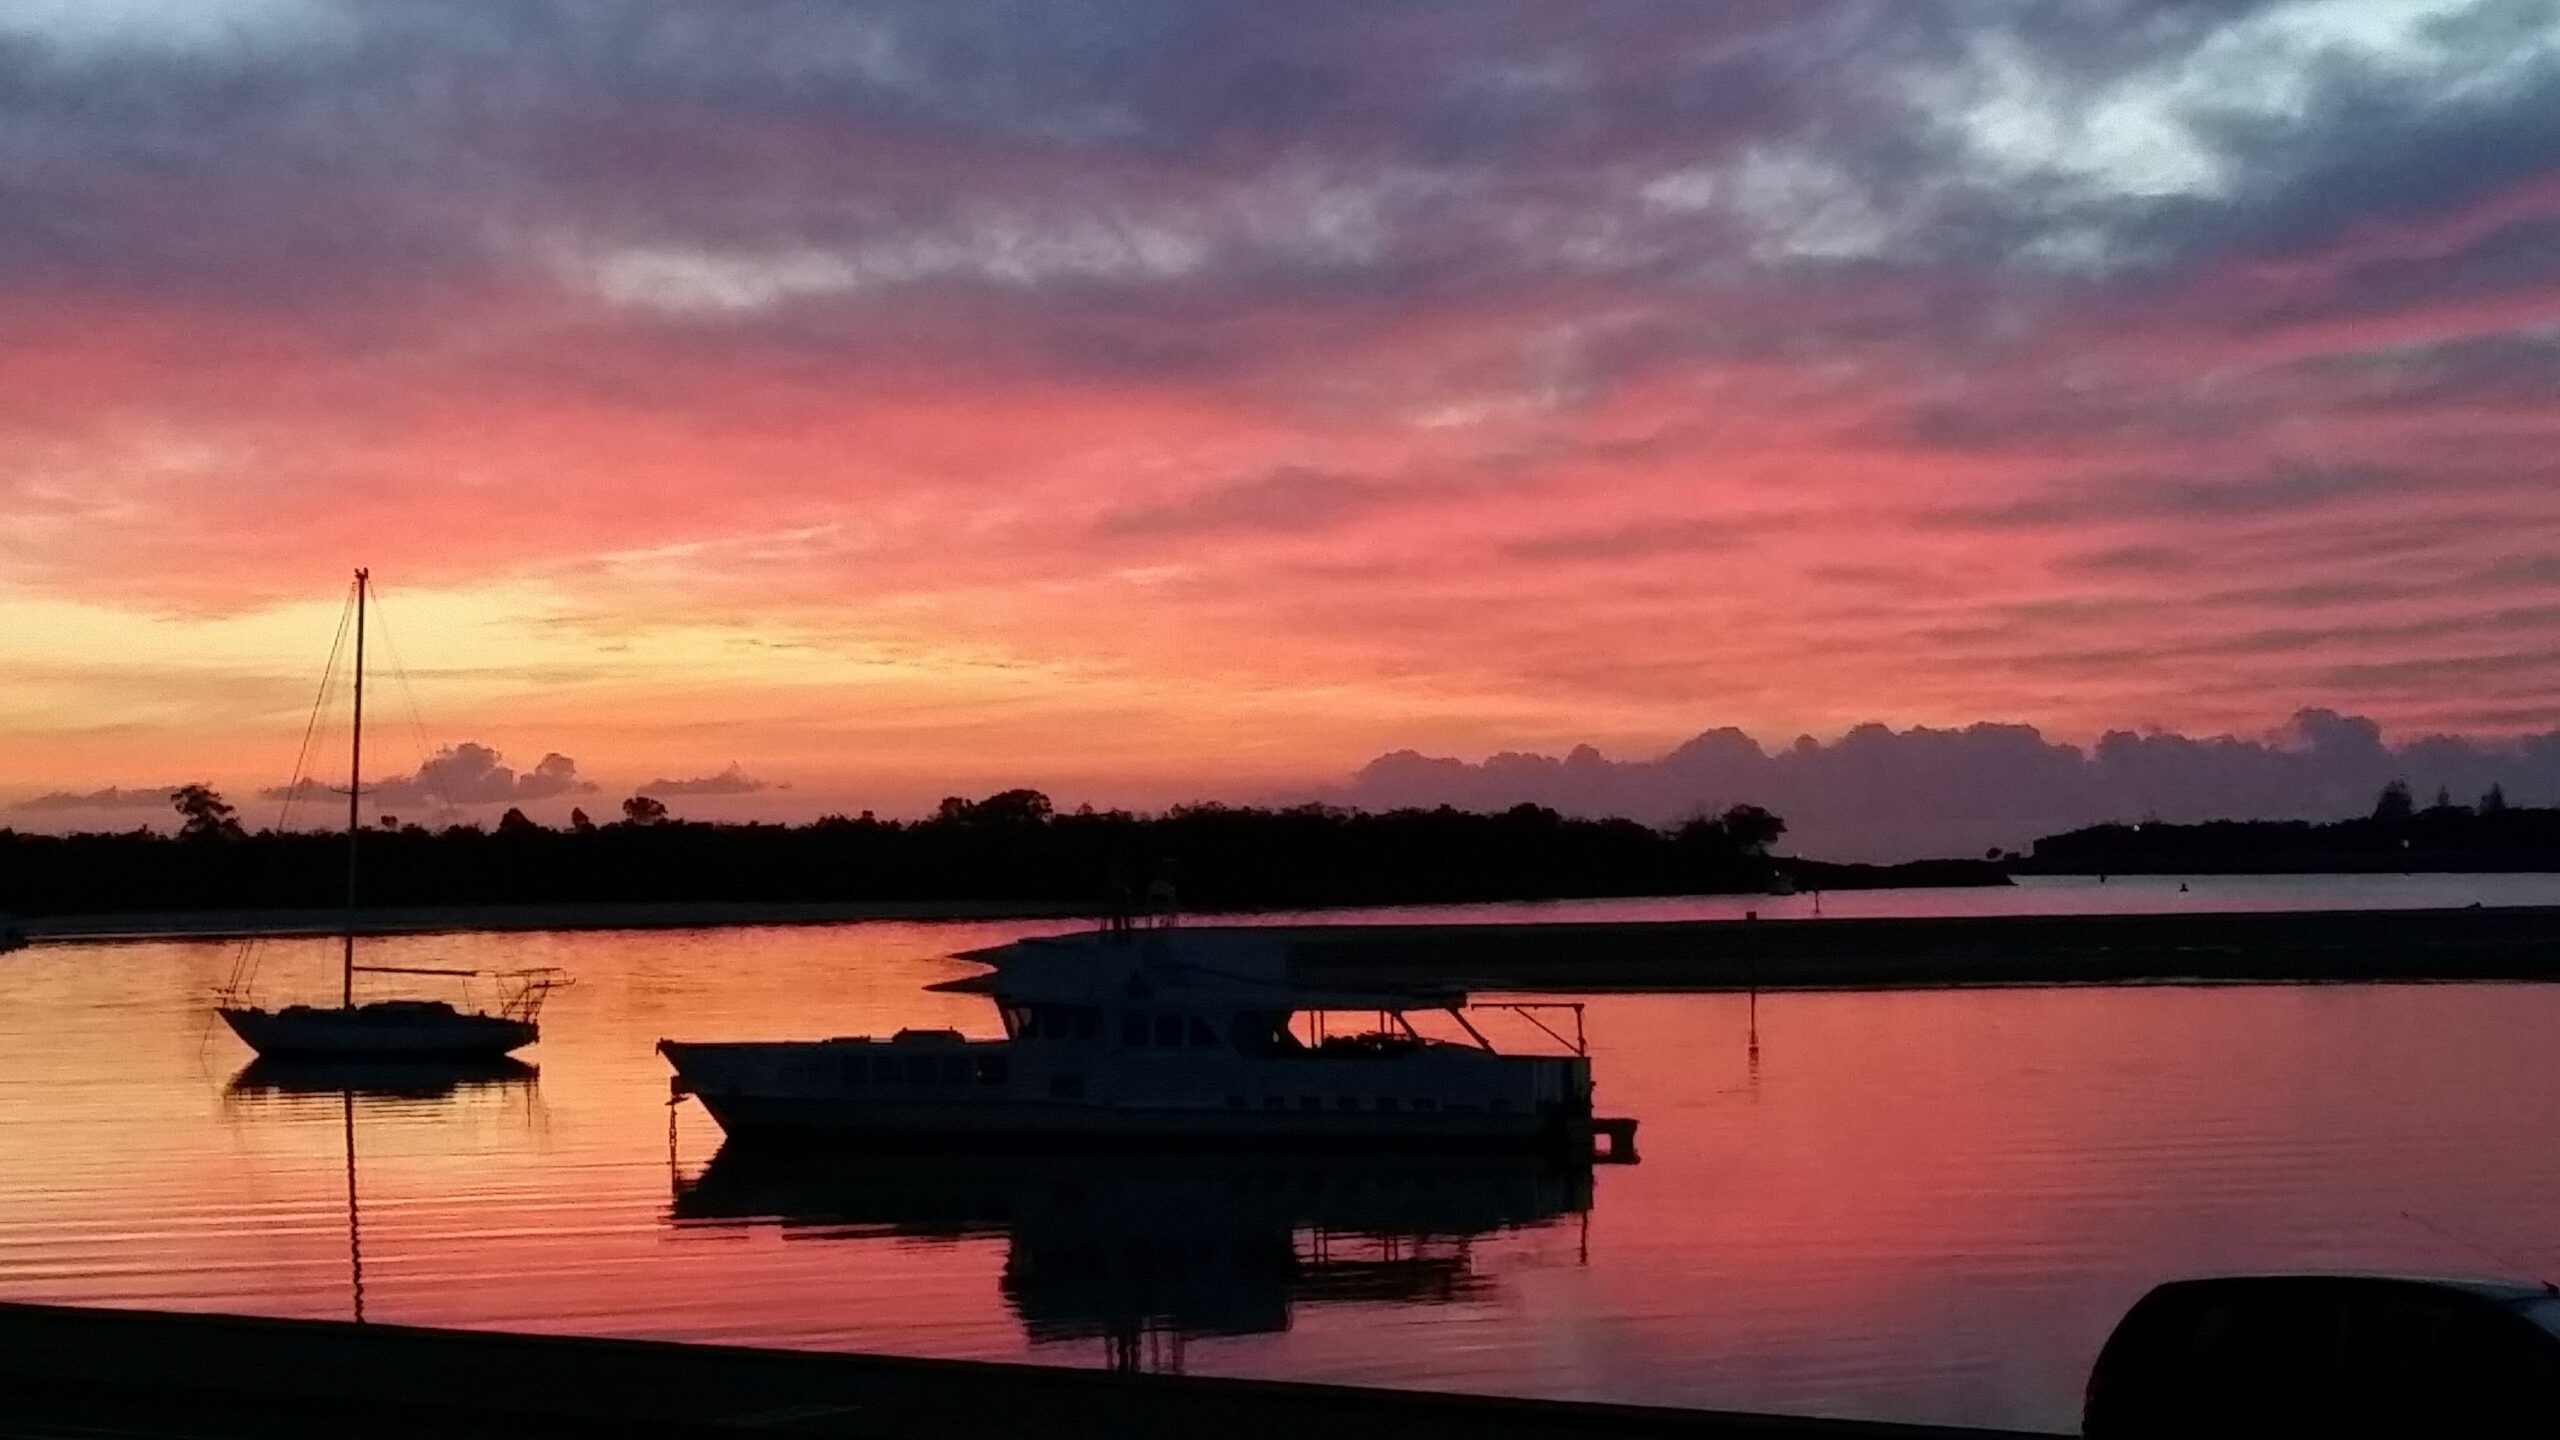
x,y
1529,1010
521,993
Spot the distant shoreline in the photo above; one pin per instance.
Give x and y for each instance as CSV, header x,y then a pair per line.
x,y
2255,947
265,924
1572,956
275,922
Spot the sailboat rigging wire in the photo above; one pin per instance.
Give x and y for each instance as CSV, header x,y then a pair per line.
x,y
311,727
400,672
244,967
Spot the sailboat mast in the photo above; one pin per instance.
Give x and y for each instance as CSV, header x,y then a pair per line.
x,y
355,822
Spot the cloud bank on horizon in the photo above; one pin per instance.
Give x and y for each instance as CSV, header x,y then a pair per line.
x,y
1170,398
456,776
1877,794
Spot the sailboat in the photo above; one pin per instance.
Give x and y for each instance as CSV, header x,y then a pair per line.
x,y
396,1029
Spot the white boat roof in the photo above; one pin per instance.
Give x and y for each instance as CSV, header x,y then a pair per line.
x,y
1238,966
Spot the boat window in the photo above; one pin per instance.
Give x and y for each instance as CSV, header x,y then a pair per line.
x,y
955,1071
1497,1104
1088,1022
1274,1102
1426,1103
1347,1102
1017,1020
1310,1102
991,1069
1133,1028
1066,1087
1389,1102
1235,1102
1169,1031
920,1069
1202,1037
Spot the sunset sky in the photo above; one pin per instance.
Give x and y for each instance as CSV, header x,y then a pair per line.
x,y
1152,400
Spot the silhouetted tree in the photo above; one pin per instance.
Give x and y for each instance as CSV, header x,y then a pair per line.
x,y
2395,804
1010,847
1753,829
579,822
1004,808
2443,802
207,815
2495,801
1013,807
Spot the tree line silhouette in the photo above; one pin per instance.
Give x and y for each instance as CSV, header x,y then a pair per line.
x,y
2399,835
1009,847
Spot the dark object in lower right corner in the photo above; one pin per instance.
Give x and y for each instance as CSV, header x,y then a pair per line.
x,y
2288,1355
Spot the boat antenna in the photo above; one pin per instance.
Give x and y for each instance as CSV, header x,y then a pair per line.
x,y
355,819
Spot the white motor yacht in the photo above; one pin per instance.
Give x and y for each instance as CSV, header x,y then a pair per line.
x,y
1197,1036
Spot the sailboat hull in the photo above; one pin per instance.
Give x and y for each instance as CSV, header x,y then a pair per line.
x,y
388,1030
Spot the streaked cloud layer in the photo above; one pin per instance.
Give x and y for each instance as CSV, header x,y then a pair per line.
x,y
1148,399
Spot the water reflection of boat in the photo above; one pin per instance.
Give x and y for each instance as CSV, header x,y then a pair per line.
x,y
1143,1249
385,1079
408,1082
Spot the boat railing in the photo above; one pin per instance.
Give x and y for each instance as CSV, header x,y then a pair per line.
x,y
1396,1029
1533,1010
520,993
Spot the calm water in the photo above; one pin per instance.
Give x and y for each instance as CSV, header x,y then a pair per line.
x,y
1916,1206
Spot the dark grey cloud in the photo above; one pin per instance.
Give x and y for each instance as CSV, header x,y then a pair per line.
x,y
1656,537
1880,794
2130,560
111,798
1288,499
2531,570
2284,489
1385,150
2521,367
468,774
732,781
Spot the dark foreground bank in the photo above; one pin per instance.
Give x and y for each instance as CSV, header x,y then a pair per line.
x,y
125,1372
2254,947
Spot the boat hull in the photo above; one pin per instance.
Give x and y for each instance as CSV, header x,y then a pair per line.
x,y
782,1121
376,1032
